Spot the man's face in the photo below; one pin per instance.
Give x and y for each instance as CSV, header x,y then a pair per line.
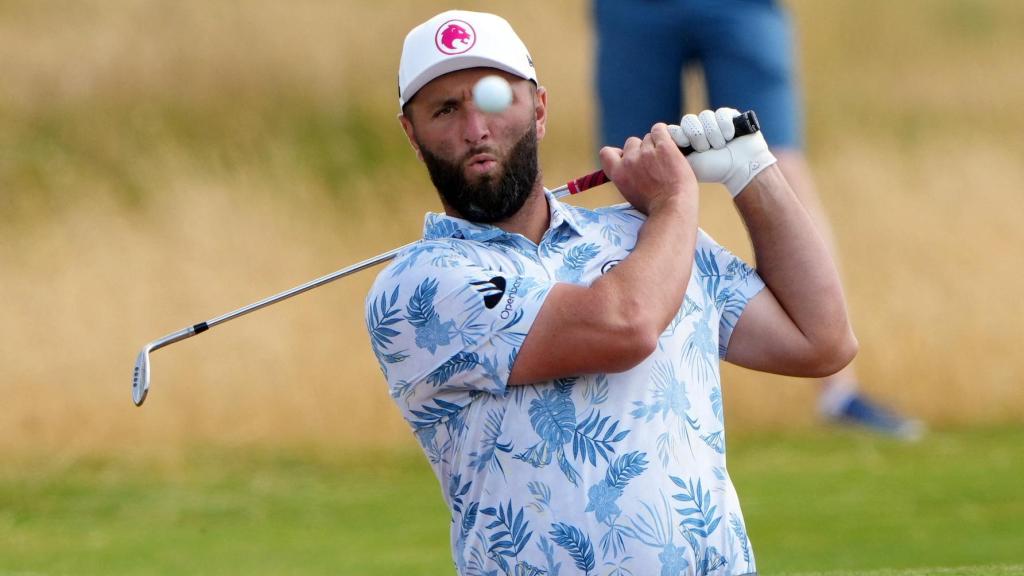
x,y
483,165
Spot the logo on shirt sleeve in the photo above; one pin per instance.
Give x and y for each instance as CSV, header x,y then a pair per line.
x,y
492,290
607,266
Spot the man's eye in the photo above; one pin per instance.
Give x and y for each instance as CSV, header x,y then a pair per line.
x,y
444,110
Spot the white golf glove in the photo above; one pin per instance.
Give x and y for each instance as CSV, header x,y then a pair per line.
x,y
717,157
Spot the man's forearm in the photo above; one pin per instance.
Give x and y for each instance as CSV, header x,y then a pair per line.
x,y
650,284
792,258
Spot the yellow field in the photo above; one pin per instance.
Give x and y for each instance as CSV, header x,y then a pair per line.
x,y
164,162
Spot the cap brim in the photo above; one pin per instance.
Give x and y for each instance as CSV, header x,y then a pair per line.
x,y
454,64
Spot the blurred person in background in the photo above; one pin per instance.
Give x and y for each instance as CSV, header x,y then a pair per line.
x,y
745,49
560,366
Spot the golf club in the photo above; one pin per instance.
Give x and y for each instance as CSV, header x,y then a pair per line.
x,y
745,123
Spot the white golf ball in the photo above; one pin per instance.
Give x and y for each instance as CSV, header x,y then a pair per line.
x,y
492,94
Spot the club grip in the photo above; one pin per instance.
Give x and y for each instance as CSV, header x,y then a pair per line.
x,y
587,182
746,123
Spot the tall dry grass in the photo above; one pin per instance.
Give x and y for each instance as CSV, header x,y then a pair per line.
x,y
164,162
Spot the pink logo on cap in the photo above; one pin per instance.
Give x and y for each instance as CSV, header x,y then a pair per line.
x,y
455,37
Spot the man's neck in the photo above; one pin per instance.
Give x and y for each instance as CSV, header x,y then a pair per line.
x,y
531,221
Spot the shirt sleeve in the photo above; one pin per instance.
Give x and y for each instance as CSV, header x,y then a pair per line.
x,y
729,280
443,326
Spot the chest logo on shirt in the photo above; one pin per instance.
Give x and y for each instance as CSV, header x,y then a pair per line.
x,y
607,266
492,290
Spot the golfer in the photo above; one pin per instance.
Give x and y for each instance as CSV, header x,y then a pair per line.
x,y
560,366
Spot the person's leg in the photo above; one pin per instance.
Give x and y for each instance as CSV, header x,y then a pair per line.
x,y
749,65
640,56
745,49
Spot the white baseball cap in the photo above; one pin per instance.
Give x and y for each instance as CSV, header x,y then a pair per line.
x,y
456,40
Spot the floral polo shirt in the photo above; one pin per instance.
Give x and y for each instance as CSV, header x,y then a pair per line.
x,y
590,474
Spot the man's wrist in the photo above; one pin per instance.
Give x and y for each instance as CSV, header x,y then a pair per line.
x,y
677,202
768,179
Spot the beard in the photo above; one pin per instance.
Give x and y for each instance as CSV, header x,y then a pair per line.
x,y
494,197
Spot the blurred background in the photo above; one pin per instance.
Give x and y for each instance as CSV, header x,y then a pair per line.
x,y
164,162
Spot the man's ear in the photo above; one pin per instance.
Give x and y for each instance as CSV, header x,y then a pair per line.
x,y
540,107
410,133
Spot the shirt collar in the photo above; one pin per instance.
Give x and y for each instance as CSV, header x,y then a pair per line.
x,y
437,226
562,213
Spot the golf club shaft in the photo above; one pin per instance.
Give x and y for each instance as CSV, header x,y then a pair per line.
x,y
745,123
574,187
559,192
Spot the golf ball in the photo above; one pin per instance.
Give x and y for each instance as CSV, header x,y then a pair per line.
x,y
492,94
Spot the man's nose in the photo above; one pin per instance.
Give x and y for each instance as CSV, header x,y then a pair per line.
x,y
476,129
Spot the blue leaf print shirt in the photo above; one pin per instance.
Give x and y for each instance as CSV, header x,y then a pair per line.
x,y
592,474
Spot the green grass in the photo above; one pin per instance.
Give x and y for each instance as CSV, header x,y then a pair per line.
x,y
1005,570
846,501
826,502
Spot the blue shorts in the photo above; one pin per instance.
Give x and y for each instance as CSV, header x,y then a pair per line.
x,y
745,48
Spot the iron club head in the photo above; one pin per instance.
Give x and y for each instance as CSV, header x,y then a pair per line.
x,y
140,377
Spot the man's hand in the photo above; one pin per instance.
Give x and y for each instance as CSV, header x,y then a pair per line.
x,y
647,172
718,157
